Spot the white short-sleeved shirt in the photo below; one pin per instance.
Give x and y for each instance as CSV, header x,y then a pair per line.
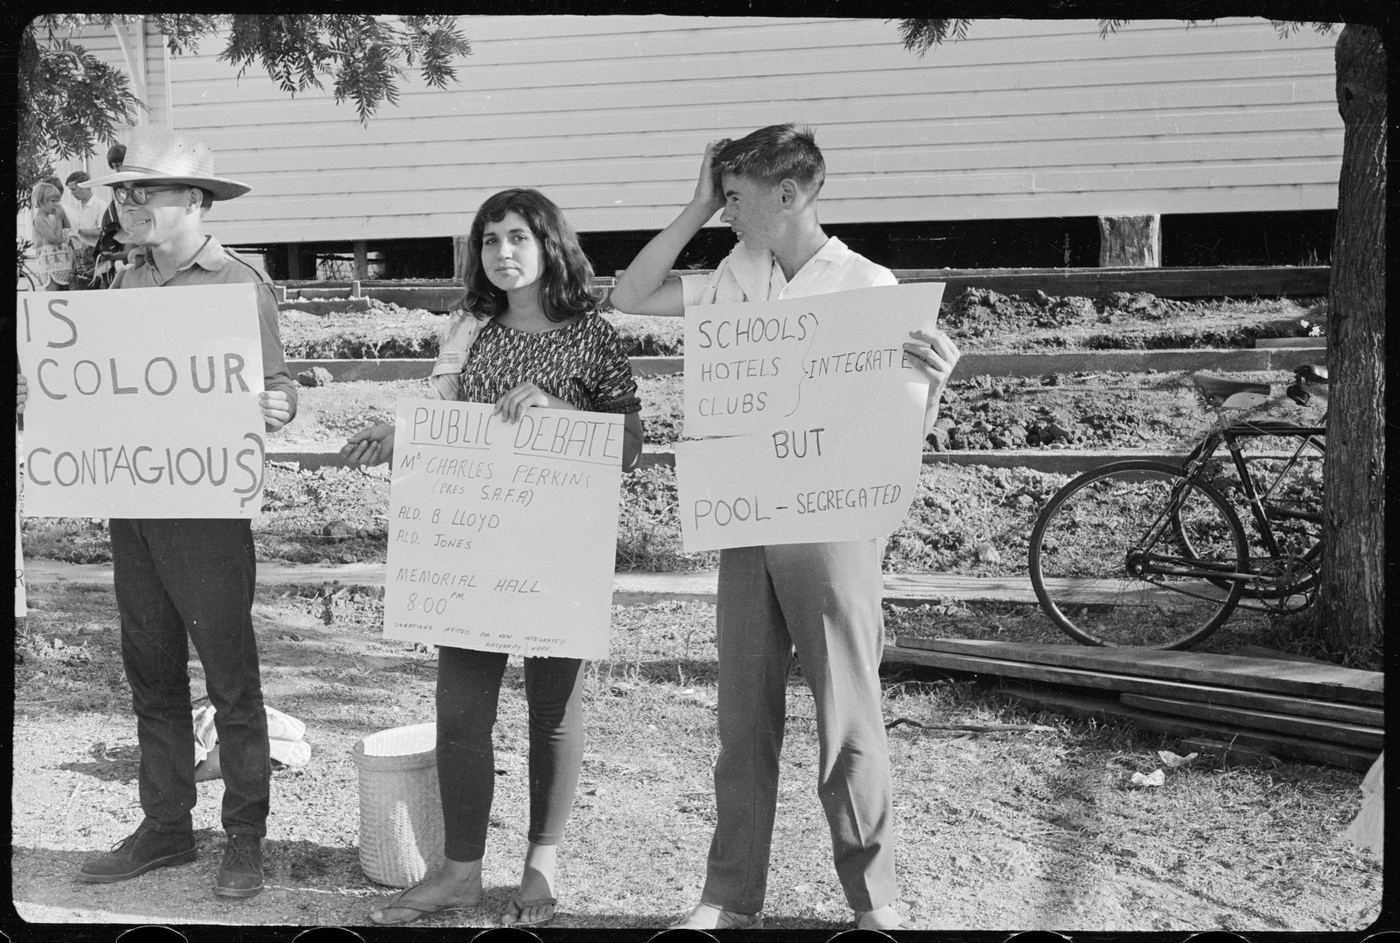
x,y
89,216
749,276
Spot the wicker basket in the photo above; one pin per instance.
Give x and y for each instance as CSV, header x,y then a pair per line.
x,y
400,809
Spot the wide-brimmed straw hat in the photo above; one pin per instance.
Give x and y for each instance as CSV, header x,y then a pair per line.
x,y
159,157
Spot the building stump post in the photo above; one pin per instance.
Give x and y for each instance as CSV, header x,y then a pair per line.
x,y
1130,241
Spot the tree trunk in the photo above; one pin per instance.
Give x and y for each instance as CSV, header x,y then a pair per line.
x,y
1353,572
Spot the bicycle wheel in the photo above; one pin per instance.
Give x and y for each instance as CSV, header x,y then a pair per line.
x,y
1100,547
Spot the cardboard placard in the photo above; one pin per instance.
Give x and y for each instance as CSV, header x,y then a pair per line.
x,y
502,537
843,479
823,438
757,367
142,402
21,600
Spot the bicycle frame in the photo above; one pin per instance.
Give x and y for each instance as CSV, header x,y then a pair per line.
x,y
1261,509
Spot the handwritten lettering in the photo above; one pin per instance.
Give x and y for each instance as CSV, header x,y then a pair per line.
x,y
458,467
730,405
724,513
750,330
445,578
786,444
554,477
855,361
560,435
740,369
838,499
451,425
159,376
132,465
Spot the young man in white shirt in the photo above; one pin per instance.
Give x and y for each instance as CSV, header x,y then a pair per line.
x,y
88,210
821,599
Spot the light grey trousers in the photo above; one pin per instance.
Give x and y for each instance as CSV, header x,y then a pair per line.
x,y
824,601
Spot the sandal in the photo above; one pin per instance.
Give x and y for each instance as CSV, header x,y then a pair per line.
x,y
515,907
419,910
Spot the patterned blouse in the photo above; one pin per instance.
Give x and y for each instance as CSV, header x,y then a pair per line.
x,y
582,364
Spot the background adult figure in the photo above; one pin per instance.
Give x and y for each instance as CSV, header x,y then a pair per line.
x,y
821,599
183,580
539,342
112,252
87,228
53,257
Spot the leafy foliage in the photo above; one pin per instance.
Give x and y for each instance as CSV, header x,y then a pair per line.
x,y
921,35
70,100
361,53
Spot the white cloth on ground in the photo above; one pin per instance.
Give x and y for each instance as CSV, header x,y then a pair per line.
x,y
284,736
1368,828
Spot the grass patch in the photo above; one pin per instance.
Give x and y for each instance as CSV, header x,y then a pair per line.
x,y
649,525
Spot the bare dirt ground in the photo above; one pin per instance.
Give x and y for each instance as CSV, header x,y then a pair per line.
x,y
1038,827
1029,828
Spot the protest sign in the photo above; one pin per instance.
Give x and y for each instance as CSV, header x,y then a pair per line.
x,y
502,536
832,446
849,477
21,600
757,367
142,403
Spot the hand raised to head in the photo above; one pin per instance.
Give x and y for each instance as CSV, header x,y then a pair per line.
x,y
709,191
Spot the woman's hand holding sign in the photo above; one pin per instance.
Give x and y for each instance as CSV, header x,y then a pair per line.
x,y
372,446
511,406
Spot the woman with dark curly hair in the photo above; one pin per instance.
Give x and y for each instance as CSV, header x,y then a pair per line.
x,y
530,336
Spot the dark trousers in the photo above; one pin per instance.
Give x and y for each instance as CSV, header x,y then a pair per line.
x,y
192,580
468,690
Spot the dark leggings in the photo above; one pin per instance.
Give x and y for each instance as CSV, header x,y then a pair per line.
x,y
468,689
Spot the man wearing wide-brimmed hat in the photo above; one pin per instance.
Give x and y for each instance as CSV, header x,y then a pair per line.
x,y
190,579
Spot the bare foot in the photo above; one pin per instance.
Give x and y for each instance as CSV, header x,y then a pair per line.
x,y
710,917
456,886
532,905
886,918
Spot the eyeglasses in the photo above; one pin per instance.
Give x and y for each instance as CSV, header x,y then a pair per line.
x,y
138,195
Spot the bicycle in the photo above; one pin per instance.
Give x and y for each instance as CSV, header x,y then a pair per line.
x,y
1149,554
27,278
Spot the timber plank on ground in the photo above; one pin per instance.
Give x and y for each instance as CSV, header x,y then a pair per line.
x,y
1329,682
1110,711
904,651
1370,738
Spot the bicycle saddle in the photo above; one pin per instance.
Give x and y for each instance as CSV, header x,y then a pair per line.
x,y
1231,394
